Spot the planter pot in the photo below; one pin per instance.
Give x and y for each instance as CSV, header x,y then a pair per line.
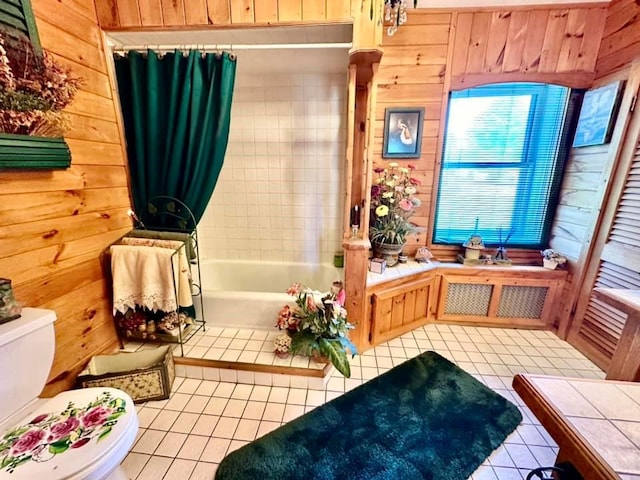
x,y
280,354
550,264
387,251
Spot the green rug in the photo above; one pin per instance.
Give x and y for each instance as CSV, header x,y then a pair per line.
x,y
424,419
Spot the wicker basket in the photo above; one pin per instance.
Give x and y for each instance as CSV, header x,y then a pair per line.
x,y
145,375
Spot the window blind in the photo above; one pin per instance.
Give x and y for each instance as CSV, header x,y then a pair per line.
x,y
502,161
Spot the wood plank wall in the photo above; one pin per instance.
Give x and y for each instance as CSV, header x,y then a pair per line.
x,y
173,13
436,52
56,223
620,38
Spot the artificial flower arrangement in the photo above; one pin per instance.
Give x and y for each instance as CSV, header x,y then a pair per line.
x,y
34,90
317,326
392,204
551,258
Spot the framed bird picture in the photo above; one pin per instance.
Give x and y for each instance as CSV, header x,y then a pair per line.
x,y
403,132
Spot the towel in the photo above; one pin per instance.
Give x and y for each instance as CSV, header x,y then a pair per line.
x,y
182,271
147,276
182,237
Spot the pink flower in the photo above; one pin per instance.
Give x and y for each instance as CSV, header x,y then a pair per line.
x,y
341,297
81,442
376,191
294,289
284,316
62,429
28,441
96,416
406,204
311,304
411,166
39,419
378,169
415,181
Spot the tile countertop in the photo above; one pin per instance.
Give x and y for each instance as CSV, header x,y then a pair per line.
x,y
399,270
605,416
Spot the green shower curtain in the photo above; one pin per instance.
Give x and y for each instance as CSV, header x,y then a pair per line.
x,y
176,110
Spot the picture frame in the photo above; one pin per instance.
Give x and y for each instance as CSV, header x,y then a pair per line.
x,y
403,132
597,115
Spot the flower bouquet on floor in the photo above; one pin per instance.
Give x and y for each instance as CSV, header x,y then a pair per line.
x,y
317,325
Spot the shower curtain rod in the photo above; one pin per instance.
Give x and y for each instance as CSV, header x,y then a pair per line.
x,y
231,47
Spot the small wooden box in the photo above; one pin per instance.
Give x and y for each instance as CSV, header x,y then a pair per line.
x,y
145,375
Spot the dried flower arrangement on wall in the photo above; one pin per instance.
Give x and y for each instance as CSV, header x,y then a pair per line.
x,y
34,89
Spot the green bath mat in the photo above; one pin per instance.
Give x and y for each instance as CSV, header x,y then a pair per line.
x,y
424,419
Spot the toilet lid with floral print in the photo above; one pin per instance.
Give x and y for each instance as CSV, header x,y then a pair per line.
x,y
66,434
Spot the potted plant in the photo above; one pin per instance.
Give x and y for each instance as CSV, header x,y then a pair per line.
x,y
393,202
551,259
317,325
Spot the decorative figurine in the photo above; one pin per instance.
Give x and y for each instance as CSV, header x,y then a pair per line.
x,y
473,246
423,255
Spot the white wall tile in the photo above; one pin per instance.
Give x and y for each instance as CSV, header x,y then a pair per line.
x,y
279,194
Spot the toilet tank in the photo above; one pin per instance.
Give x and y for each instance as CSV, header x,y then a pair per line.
x,y
27,346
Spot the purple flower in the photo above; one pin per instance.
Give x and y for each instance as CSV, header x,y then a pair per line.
x,y
62,429
376,191
28,441
378,169
96,416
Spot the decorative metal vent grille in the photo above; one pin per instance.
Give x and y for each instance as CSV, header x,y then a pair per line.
x,y
522,302
468,299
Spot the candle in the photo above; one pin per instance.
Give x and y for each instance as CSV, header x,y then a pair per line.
x,y
355,216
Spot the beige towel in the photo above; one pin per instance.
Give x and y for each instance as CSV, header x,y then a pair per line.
x,y
142,276
182,271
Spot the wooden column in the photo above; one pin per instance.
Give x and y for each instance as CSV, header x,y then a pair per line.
x,y
364,58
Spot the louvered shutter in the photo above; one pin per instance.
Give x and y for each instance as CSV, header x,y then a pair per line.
x,y
16,18
601,324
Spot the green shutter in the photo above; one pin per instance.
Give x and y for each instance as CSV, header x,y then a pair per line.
x,y
23,151
17,16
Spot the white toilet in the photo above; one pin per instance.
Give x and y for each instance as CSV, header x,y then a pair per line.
x,y
76,435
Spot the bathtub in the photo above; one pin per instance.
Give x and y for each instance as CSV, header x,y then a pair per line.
x,y
248,294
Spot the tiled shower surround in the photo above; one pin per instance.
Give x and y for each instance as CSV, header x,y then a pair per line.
x,y
279,195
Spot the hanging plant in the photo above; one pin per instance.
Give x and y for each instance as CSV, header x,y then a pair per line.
x,y
34,89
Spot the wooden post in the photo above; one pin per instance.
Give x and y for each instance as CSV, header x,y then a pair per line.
x,y
355,276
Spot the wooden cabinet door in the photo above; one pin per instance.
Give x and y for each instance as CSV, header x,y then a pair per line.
x,y
400,309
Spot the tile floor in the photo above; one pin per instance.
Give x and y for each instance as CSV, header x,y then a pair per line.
x,y
186,436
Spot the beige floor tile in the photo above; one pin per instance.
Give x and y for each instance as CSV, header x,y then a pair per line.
x,y
226,427
205,425
273,412
215,449
193,447
180,469
185,422
148,442
171,444
134,463
246,430
155,468
254,410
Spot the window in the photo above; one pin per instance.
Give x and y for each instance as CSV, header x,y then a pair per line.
x,y
504,153
17,24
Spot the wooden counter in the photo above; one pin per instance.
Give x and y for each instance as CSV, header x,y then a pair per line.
x,y
596,423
